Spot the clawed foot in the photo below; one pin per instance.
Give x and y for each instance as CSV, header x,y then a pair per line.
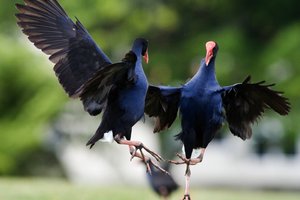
x,y
188,162
186,197
140,147
184,160
146,160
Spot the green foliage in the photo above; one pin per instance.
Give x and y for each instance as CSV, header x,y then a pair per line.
x,y
256,37
30,97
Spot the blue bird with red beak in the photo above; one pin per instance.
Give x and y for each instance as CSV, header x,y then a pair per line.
x,y
204,107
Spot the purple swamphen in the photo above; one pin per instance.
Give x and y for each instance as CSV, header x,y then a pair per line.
x,y
116,89
161,183
204,106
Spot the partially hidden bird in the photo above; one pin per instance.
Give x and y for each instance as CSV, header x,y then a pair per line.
x,y
117,90
161,183
205,106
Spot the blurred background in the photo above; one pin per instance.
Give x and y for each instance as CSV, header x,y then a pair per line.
x,y
43,133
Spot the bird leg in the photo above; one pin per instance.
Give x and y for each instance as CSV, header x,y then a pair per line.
x,y
146,160
187,187
188,162
138,146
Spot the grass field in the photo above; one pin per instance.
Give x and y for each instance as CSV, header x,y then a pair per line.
x,y
45,189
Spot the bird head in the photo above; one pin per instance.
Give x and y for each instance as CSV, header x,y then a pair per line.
x,y
145,51
211,51
144,44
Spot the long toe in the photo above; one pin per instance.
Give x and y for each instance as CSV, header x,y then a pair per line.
x,y
133,152
175,162
145,159
140,146
159,168
152,153
182,158
195,161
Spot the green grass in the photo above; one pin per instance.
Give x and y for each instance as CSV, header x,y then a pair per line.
x,y
49,189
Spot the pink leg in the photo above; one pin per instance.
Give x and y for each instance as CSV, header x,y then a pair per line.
x,y
146,160
187,185
188,162
138,146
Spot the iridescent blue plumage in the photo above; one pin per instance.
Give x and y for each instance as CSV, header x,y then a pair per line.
x,y
200,109
204,106
126,96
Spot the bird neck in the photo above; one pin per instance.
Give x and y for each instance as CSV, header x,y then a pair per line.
x,y
205,75
137,49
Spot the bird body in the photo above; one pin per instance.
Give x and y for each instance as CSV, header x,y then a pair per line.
x,y
200,109
126,101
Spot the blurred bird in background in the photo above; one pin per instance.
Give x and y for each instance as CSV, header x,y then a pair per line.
x,y
204,106
161,183
164,185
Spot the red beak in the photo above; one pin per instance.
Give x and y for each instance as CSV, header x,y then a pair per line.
x,y
146,57
209,51
209,55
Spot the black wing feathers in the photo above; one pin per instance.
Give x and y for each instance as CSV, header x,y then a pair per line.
x,y
71,48
113,76
246,102
46,24
162,103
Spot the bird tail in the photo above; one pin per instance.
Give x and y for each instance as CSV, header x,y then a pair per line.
x,y
97,136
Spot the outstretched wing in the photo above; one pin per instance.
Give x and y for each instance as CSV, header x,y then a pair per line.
x,y
95,92
162,103
245,102
71,48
